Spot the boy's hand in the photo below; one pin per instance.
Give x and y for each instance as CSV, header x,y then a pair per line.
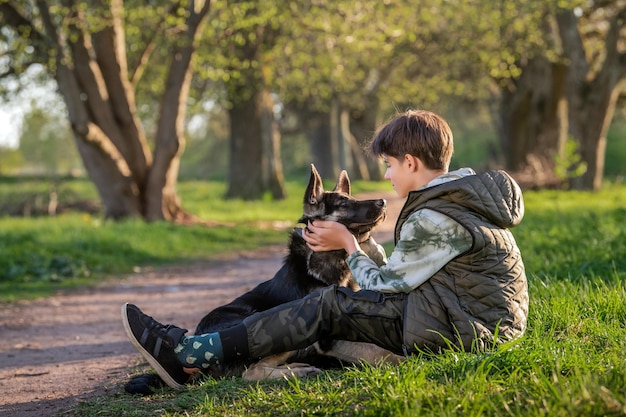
x,y
323,236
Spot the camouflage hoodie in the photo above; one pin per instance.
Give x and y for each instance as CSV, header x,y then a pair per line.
x,y
425,241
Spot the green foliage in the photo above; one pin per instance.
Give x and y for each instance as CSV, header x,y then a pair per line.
x,y
570,164
206,150
475,142
616,149
424,54
570,362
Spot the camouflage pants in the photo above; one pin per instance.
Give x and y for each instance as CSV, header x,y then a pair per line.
x,y
332,312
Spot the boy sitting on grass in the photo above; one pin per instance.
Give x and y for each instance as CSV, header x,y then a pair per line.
x,y
454,279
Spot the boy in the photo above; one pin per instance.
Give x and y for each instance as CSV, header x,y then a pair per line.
x,y
454,279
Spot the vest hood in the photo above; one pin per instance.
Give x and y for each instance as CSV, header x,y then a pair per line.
x,y
492,194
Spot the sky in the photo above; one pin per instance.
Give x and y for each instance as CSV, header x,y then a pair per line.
x,y
32,92
10,125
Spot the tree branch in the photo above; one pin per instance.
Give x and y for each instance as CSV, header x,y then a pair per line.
x,y
170,130
612,38
144,58
95,136
110,54
572,43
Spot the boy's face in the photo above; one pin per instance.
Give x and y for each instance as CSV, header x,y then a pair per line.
x,y
400,174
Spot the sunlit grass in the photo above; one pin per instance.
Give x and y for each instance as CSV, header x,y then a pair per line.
x,y
567,235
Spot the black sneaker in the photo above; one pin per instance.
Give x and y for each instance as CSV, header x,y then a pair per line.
x,y
156,342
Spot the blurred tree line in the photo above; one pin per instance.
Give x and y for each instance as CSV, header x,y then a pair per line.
x,y
247,89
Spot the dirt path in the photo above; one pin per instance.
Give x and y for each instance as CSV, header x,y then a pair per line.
x,y
58,351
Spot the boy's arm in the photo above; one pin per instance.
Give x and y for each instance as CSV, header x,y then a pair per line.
x,y
428,241
374,251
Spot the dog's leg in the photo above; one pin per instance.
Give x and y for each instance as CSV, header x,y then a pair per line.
x,y
355,352
278,366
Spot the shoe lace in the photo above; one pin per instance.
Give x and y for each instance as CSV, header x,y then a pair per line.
x,y
162,331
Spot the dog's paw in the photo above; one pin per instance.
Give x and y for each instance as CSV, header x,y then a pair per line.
x,y
144,384
298,370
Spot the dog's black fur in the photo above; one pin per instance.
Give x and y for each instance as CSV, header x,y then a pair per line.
x,y
302,271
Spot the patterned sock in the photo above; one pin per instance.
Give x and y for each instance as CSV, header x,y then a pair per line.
x,y
200,351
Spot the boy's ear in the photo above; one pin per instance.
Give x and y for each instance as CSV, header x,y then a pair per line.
x,y
413,162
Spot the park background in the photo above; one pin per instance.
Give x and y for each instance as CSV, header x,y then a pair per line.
x,y
203,119
136,95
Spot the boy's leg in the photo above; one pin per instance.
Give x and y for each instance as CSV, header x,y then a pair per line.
x,y
340,313
333,312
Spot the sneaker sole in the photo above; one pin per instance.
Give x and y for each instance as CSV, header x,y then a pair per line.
x,y
165,376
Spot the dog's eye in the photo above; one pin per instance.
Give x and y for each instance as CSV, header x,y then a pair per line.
x,y
312,200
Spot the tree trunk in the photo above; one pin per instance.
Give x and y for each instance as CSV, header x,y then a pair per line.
x,y
532,122
592,96
99,138
274,178
161,195
363,125
92,76
254,167
318,129
245,178
352,152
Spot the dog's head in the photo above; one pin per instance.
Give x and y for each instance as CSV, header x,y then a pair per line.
x,y
359,216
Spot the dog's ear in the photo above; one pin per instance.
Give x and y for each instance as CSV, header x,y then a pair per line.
x,y
343,183
315,189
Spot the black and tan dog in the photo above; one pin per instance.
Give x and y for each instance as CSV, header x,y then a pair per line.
x,y
302,272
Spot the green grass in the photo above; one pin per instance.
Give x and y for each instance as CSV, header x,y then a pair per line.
x,y
574,235
571,362
40,255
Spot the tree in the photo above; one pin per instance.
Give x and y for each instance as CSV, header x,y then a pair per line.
x,y
255,166
567,88
351,64
84,47
531,116
338,59
595,79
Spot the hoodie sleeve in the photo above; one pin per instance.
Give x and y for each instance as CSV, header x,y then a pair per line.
x,y
428,241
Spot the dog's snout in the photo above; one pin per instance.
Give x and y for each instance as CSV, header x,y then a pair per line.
x,y
381,203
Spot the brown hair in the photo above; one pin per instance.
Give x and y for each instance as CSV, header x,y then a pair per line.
x,y
420,133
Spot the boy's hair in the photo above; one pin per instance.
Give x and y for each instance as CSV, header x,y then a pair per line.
x,y
420,133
